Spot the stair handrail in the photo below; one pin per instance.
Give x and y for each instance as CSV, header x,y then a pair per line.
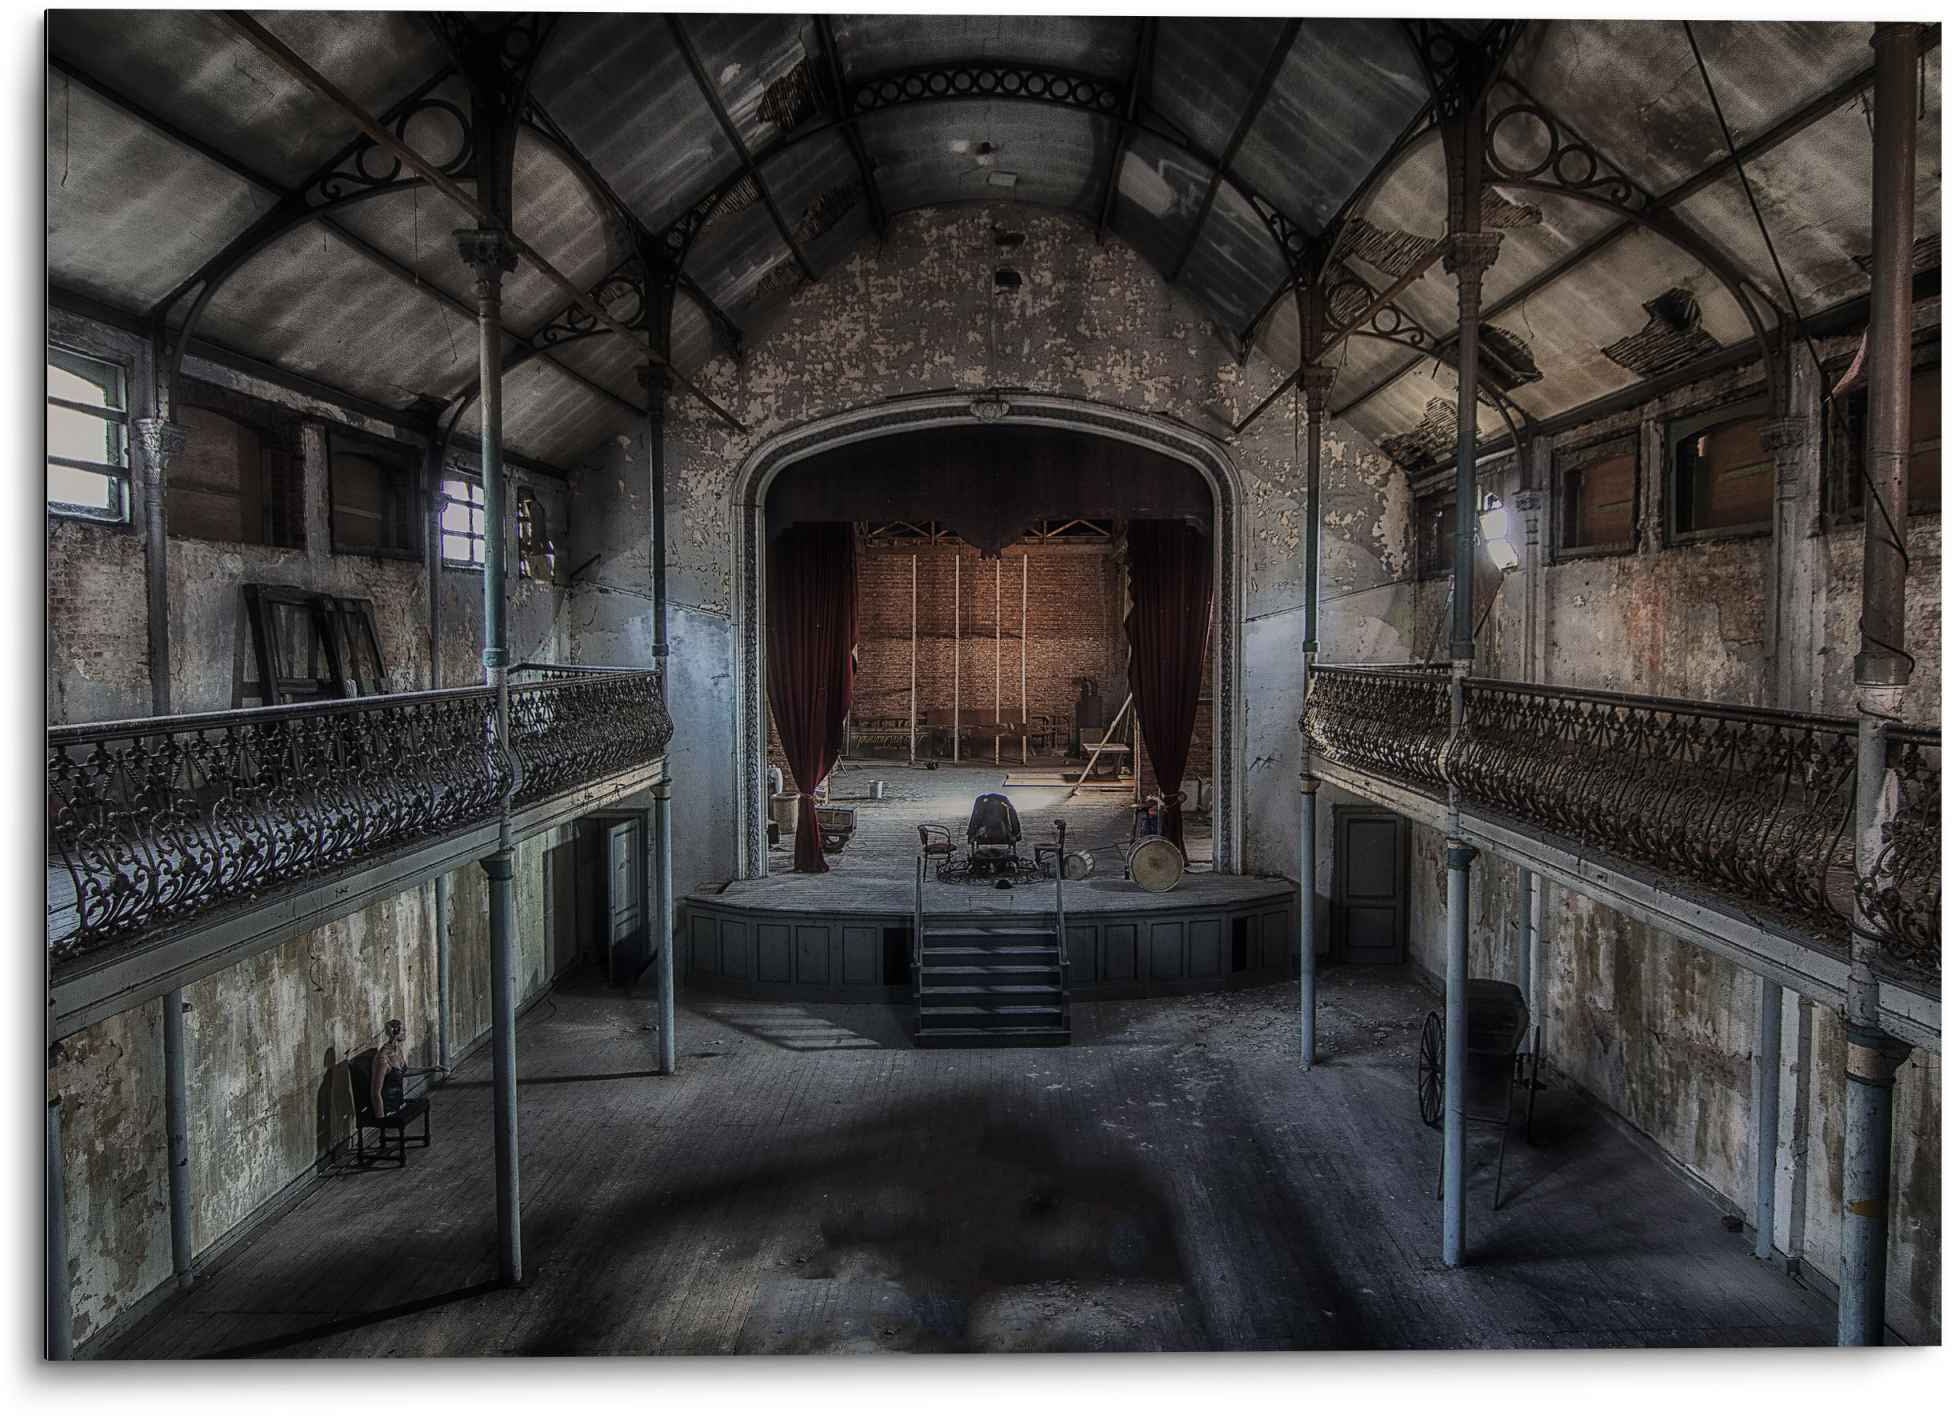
x,y
1063,944
916,961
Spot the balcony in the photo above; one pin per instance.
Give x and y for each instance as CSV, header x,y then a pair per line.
x,y
173,841
1735,826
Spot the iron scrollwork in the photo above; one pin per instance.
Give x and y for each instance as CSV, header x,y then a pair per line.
x,y
158,821
1393,722
1901,893
953,81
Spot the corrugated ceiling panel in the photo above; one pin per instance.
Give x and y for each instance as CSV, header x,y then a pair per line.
x,y
1236,264
819,189
1159,192
1631,87
619,88
1347,91
198,74
877,44
960,151
131,214
313,306
736,253
1204,73
766,76
548,415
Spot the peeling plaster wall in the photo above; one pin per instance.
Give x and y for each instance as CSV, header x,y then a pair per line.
x,y
1658,1030
263,1035
920,314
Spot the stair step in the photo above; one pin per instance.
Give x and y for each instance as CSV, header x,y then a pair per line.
x,y
1005,1012
987,990
931,950
992,932
992,1037
1001,973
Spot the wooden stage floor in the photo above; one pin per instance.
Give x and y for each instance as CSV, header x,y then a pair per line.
x,y
809,1183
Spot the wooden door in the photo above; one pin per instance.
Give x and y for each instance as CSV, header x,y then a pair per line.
x,y
1370,909
626,934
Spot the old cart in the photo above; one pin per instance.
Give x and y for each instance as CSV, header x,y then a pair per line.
x,y
1496,1026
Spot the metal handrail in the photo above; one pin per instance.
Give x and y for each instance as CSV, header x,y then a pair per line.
x,y
1063,940
916,942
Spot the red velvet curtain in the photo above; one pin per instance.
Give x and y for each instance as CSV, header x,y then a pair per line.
x,y
1170,565
810,630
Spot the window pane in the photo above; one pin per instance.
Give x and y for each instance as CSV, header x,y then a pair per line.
x,y
80,379
456,548
454,517
83,435
1599,502
1925,416
74,486
476,521
1724,478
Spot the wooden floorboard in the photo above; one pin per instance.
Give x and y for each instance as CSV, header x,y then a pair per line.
x,y
809,1182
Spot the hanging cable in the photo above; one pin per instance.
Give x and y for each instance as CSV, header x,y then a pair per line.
x,y
1872,494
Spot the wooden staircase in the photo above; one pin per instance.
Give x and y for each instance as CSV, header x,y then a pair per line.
x,y
992,986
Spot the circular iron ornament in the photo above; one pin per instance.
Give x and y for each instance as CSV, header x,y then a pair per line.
x,y
1573,164
463,133
1495,156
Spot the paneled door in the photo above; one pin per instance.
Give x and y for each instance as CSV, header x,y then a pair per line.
x,y
1370,909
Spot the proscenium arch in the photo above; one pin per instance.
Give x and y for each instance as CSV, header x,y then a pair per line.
x,y
764,463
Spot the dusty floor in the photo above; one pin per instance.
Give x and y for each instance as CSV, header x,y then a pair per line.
x,y
810,1183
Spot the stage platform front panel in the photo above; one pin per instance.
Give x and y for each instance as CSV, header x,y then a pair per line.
x,y
844,938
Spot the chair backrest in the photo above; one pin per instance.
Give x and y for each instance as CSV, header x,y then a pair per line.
x,y
360,1070
993,821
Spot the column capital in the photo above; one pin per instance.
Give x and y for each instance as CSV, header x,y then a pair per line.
x,y
1783,437
1887,30
486,250
1471,252
1458,855
1316,381
159,439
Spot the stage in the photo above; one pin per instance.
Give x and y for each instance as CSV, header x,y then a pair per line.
x,y
847,934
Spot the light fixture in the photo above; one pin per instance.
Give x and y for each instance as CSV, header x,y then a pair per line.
x,y
1496,528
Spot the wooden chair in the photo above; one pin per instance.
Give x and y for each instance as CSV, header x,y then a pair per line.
x,y
392,1127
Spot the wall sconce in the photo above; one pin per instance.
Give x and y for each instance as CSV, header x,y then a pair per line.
x,y
1496,528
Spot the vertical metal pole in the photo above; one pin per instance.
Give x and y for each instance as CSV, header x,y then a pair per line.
x,y
1535,999
443,958
996,671
1768,1096
160,441
667,967
60,1312
955,750
176,1120
914,607
1315,383
1458,857
487,251
1799,1135
1525,927
1023,667
656,389
1882,671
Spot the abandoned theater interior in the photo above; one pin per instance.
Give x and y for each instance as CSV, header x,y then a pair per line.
x,y
804,683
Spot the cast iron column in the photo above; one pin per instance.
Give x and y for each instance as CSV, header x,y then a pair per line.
x,y
60,1317
667,969
1469,253
176,1113
1768,1109
488,252
1883,669
1315,382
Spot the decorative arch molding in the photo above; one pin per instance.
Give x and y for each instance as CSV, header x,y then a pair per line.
x,y
1161,435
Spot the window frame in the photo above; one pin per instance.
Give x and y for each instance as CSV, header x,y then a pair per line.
x,y
531,518
444,499
279,430
1426,568
406,460
1835,448
1677,430
122,478
1574,459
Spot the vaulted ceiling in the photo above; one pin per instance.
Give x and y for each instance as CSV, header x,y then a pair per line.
x,y
761,149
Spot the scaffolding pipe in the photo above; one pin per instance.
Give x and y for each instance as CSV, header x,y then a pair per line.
x,y
176,1120
1315,382
914,608
1457,857
1023,667
996,672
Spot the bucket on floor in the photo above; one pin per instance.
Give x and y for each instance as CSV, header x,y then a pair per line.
x,y
877,791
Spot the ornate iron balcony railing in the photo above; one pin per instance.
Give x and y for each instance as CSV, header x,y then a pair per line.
x,y
1752,804
157,820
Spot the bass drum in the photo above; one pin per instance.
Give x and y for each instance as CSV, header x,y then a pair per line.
x,y
1078,865
1156,864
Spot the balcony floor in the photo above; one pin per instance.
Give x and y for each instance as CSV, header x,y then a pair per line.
x,y
810,1183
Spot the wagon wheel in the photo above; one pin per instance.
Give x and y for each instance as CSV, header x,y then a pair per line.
x,y
1430,1071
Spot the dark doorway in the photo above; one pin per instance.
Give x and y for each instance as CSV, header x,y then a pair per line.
x,y
1370,913
613,892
